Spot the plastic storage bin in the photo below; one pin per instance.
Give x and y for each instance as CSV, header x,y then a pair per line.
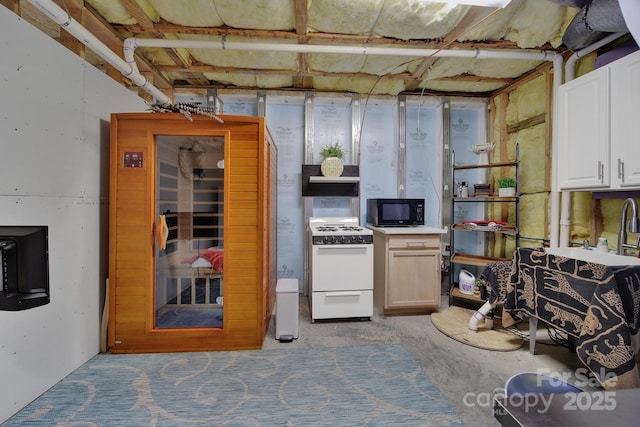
x,y
287,309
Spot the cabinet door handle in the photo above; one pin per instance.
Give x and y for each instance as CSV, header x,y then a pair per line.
x,y
600,171
416,244
620,170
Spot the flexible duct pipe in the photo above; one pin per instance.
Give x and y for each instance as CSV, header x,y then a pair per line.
x,y
73,27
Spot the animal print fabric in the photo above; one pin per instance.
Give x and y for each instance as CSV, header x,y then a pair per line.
x,y
597,304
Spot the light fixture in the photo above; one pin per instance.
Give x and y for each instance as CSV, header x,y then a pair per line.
x,y
484,3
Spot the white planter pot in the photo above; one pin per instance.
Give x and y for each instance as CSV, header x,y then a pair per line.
x,y
506,192
331,166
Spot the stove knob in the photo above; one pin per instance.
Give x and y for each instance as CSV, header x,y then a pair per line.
x,y
326,240
360,239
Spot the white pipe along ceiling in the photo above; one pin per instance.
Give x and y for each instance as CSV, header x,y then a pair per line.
x,y
128,67
73,27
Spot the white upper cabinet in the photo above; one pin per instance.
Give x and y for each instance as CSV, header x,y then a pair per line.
x,y
625,113
595,128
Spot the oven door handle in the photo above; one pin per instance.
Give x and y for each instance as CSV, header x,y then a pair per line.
x,y
354,247
343,294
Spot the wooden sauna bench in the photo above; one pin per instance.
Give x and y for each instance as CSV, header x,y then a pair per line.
x,y
190,274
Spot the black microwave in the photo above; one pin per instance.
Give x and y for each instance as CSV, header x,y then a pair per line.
x,y
395,212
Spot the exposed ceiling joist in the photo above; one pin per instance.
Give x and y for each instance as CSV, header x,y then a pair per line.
x,y
374,24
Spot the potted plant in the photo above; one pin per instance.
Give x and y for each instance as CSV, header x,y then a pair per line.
x,y
506,187
332,156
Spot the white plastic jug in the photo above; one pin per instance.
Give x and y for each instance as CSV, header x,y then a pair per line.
x,y
466,282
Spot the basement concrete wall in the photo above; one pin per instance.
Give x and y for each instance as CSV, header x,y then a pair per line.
x,y
54,152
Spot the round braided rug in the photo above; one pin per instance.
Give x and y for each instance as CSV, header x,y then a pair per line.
x,y
454,321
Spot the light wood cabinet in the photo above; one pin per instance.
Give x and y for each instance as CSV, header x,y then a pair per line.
x,y
597,141
406,269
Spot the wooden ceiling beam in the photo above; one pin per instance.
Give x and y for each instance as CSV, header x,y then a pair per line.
x,y
109,36
77,12
164,27
474,16
12,5
474,79
203,68
301,17
138,14
143,20
300,75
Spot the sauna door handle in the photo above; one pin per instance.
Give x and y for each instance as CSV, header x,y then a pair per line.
x,y
162,232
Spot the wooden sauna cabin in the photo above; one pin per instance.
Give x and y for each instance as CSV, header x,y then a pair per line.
x,y
192,233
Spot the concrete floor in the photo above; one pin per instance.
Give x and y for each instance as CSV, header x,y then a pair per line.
x,y
468,377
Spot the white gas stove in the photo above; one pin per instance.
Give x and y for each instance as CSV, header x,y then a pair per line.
x,y
338,231
341,268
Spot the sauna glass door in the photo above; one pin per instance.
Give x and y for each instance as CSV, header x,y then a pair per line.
x,y
189,254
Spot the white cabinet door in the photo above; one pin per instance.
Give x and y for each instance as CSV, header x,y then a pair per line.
x,y
625,109
583,132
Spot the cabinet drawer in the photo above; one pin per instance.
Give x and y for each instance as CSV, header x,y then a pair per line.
x,y
414,242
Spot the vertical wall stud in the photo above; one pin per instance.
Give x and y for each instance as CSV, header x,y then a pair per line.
x,y
447,179
402,146
356,134
308,201
262,103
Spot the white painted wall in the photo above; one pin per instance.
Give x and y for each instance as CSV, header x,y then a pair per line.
x,y
54,150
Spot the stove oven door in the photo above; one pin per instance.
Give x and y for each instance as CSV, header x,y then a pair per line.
x,y
341,281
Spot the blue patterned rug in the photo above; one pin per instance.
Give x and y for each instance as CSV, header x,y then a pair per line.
x,y
346,386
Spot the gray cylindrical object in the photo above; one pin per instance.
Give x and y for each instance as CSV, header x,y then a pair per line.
x,y
606,15
593,23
